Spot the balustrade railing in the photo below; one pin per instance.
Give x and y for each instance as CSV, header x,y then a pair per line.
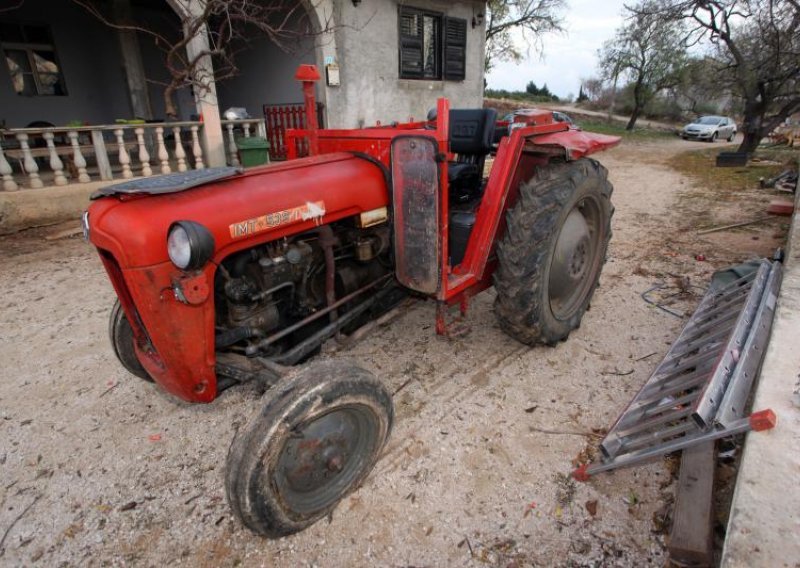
x,y
38,157
234,129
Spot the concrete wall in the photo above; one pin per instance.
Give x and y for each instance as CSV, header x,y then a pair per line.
x,y
365,45
90,58
267,71
764,521
89,55
167,23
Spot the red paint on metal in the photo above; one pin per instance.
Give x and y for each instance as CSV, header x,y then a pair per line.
x,y
307,72
780,207
535,117
194,288
576,142
279,119
309,75
175,340
134,232
581,474
763,420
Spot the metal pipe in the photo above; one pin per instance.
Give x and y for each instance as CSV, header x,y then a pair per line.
x,y
350,340
231,336
305,347
253,349
327,241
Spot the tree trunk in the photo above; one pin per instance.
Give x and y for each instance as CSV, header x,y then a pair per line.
x,y
637,110
752,126
169,103
750,142
638,103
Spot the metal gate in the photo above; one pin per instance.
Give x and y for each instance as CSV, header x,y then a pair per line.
x,y
280,117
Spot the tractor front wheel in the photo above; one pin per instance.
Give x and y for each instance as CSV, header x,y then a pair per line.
x,y
121,335
316,438
549,260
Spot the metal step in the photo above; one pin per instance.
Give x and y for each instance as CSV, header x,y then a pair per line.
x,y
700,389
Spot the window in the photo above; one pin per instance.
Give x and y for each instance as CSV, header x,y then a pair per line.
x,y
31,59
432,46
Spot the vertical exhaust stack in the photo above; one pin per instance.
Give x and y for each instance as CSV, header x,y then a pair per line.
x,y
308,75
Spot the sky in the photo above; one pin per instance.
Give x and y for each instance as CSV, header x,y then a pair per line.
x,y
568,57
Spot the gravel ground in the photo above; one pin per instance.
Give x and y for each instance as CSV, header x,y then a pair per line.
x,y
100,468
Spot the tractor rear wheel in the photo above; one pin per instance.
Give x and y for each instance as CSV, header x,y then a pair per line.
x,y
549,260
316,438
121,335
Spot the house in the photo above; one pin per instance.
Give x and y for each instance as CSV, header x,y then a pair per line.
x,y
69,80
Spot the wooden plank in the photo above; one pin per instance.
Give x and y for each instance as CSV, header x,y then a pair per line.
x,y
690,540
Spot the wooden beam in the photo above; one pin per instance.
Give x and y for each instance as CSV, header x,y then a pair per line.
x,y
690,540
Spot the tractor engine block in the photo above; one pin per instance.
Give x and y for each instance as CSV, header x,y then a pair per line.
x,y
271,286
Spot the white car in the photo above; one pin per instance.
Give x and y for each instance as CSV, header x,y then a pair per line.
x,y
710,128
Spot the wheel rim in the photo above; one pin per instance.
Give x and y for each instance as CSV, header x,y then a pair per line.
x,y
575,259
324,456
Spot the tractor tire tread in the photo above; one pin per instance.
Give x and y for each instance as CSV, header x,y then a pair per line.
x,y
260,508
531,227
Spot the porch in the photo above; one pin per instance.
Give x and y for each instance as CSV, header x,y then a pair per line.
x,y
78,107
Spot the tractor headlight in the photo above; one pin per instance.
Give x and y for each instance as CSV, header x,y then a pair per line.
x,y
189,245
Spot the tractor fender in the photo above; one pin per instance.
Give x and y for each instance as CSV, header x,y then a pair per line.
x,y
573,144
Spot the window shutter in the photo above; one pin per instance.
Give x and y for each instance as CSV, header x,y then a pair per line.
x,y
455,49
411,52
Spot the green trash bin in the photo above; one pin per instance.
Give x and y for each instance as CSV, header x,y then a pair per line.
x,y
253,151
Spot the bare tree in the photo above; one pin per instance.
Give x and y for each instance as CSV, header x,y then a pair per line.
x,y
702,89
647,51
593,88
529,18
228,25
757,44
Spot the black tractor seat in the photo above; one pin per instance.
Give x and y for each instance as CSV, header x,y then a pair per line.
x,y
471,139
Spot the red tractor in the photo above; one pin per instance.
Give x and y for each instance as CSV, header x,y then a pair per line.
x,y
226,276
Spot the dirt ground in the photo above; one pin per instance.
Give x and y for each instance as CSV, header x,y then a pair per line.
x,y
100,468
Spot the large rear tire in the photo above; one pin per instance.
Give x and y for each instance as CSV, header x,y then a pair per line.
x,y
549,260
316,438
121,335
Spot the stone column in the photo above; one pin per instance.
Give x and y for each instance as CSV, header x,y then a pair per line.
x,y
132,62
205,94
206,101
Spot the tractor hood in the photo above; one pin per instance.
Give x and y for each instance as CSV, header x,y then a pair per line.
x,y
168,183
239,209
